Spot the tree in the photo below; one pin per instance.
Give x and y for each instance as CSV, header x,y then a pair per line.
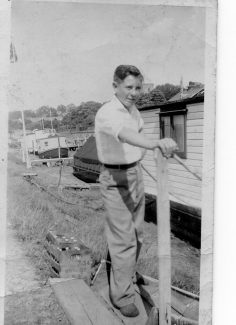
x,y
14,115
61,109
14,124
82,116
70,107
29,113
53,111
155,96
43,111
56,124
168,90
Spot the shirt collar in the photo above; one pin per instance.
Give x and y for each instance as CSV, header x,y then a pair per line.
x,y
118,104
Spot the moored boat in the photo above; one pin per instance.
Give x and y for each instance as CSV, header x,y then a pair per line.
x,y
32,137
52,147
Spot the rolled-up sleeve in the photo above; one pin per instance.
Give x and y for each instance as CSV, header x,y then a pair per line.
x,y
111,123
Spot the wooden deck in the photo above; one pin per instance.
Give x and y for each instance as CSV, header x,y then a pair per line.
x,y
85,307
81,305
184,308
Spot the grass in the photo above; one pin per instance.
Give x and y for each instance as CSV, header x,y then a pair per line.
x,y
34,212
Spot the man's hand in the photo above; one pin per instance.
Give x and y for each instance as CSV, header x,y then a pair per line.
x,y
167,146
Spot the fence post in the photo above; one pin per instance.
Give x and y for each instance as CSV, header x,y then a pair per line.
x,y
163,238
59,148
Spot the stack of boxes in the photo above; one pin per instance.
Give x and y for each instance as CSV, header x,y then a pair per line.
x,y
68,256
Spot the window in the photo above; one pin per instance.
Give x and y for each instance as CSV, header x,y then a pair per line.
x,y
173,125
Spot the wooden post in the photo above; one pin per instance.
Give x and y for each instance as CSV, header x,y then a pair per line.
x,y
163,238
59,148
28,164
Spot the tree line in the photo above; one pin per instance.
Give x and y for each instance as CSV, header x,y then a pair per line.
x,y
81,117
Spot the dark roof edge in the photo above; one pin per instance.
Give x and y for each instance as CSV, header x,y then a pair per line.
x,y
197,99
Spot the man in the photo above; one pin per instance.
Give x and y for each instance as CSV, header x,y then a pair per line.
x,y
121,145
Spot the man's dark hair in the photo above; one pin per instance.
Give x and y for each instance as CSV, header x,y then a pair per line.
x,y
122,71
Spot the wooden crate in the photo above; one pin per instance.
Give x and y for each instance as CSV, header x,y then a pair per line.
x,y
68,257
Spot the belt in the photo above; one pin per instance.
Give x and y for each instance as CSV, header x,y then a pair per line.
x,y
120,166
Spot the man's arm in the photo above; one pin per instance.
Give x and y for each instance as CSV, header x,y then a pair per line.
x,y
166,145
142,149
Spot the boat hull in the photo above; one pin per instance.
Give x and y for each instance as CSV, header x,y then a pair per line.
x,y
54,153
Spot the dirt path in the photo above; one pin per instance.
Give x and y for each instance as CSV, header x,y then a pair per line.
x,y
26,300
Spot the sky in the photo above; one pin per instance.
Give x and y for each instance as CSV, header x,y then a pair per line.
x,y
67,52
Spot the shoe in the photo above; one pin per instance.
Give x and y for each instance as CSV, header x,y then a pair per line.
x,y
140,280
130,310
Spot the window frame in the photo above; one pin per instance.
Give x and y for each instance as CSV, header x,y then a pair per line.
x,y
171,113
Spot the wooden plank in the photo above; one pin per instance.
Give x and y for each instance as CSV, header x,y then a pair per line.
x,y
190,156
192,149
185,187
173,179
195,156
29,174
51,160
191,202
70,303
195,136
196,169
194,143
195,116
195,107
197,122
184,174
173,164
152,124
177,167
173,169
153,112
176,185
185,194
184,180
151,118
194,129
180,194
187,162
163,238
81,305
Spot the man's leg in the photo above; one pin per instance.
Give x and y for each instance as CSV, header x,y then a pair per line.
x,y
118,194
139,210
138,216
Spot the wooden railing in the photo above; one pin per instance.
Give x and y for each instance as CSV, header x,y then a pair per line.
x,y
163,235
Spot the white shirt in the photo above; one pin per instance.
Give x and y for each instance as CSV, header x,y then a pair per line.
x,y
109,121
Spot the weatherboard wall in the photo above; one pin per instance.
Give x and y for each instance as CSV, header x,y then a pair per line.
x,y
183,186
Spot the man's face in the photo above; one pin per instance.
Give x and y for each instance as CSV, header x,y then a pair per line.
x,y
128,90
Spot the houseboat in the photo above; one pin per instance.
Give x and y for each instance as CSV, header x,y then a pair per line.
x,y
52,147
181,118
32,137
